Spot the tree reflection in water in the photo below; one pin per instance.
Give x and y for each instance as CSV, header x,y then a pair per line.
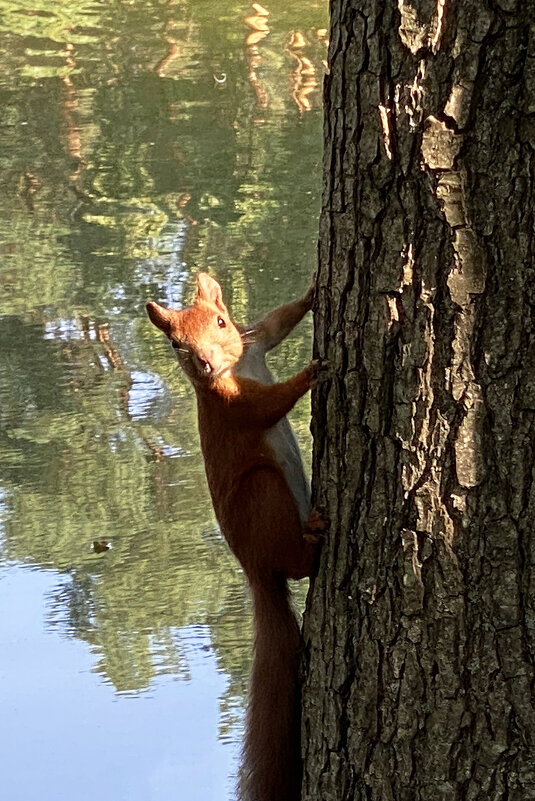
x,y
142,142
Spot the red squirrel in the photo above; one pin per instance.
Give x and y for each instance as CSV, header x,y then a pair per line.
x,y
262,503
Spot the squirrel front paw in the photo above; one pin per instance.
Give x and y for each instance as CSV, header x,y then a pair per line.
x,y
310,296
317,370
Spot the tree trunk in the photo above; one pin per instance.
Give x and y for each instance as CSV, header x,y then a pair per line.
x,y
420,626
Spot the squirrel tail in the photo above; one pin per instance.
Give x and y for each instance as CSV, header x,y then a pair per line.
x,y
272,753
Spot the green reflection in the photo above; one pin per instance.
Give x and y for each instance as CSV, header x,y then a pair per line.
x,y
142,141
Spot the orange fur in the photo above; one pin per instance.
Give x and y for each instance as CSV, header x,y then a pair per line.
x,y
247,447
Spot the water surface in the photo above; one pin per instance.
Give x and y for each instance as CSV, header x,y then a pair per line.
x,y
140,142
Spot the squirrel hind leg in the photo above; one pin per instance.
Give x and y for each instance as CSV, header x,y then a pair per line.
x,y
265,530
313,536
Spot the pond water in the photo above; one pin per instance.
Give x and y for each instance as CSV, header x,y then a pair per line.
x,y
140,142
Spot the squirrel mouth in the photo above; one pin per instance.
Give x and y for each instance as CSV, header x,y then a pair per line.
x,y
203,367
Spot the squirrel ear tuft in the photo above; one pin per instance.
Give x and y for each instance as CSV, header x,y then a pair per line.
x,y
208,289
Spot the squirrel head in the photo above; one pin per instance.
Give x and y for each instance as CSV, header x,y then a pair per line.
x,y
206,341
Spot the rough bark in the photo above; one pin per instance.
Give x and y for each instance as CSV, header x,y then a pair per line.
x,y
420,626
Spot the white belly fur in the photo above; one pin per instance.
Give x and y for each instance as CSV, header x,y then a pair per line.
x,y
281,439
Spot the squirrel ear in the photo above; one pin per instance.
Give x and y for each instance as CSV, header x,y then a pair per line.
x,y
208,289
160,317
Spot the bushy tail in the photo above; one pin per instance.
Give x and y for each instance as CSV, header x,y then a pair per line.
x,y
271,754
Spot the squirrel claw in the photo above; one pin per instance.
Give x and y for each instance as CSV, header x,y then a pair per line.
x,y
310,296
318,370
317,525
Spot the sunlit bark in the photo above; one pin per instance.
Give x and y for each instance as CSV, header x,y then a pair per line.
x,y
420,625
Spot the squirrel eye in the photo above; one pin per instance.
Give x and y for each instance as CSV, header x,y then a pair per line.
x,y
221,323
